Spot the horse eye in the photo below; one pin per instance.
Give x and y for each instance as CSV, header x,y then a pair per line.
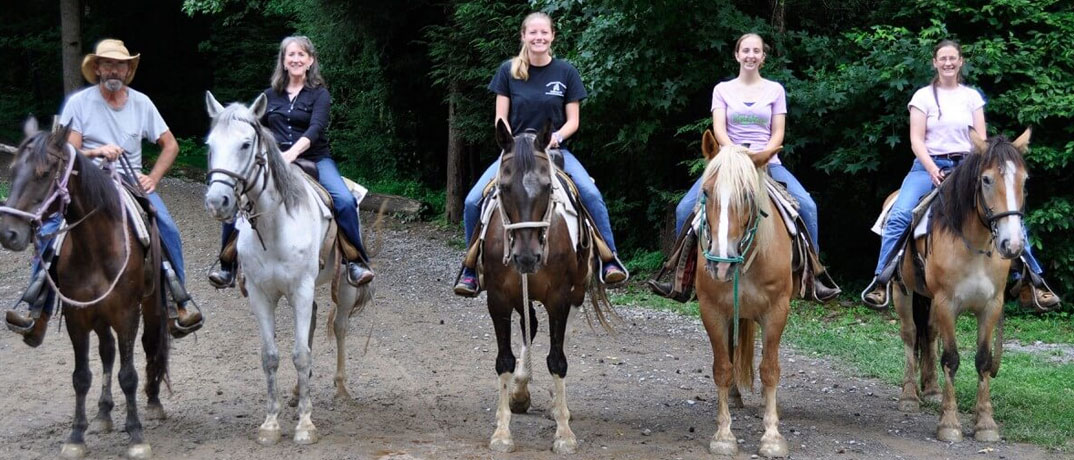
x,y
245,145
987,180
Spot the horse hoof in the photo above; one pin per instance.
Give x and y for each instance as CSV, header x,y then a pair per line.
x,y
934,397
565,446
306,437
776,448
949,434
140,451
73,450
155,412
520,406
268,436
100,425
725,448
502,445
909,405
986,435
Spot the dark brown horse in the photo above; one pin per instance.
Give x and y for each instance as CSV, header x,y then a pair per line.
x,y
976,230
744,279
101,263
528,255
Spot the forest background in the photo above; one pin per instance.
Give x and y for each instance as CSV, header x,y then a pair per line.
x,y
411,114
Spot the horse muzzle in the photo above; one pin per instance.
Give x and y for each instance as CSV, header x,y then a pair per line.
x,y
221,202
1012,247
527,263
720,271
14,233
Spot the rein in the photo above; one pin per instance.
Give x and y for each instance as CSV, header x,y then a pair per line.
x,y
737,261
256,167
59,190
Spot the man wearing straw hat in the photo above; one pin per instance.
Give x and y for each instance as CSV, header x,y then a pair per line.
x,y
109,120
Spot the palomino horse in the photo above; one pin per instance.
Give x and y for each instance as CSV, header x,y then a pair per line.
x,y
746,276
976,230
283,231
101,276
528,255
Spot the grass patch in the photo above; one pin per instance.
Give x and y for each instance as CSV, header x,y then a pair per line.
x,y
1032,396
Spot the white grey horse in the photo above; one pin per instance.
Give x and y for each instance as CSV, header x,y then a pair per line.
x,y
282,231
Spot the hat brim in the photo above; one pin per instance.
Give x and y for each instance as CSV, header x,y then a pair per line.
x,y
90,60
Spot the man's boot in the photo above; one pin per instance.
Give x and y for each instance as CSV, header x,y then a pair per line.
x,y
186,320
224,277
32,330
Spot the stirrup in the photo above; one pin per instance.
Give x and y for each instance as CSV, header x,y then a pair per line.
x,y
1036,285
872,287
21,330
179,331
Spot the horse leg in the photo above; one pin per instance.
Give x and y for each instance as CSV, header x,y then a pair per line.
x,y
155,344
102,423
735,396
302,299
985,429
949,428
909,400
930,389
723,442
313,326
505,366
265,311
565,442
340,326
772,443
520,395
81,379
128,381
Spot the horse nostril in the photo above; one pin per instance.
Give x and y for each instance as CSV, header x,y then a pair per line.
x,y
224,201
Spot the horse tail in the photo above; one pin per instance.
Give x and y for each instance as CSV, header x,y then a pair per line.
x,y
997,347
742,356
156,339
378,235
921,311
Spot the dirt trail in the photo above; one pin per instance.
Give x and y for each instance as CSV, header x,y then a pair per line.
x,y
421,369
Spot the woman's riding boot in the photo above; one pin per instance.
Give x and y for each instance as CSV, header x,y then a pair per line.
x,y
358,273
224,277
467,285
1034,294
875,295
33,331
823,292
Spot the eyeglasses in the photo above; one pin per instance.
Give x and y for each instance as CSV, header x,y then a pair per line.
x,y
112,64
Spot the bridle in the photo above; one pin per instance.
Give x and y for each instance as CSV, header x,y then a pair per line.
x,y
543,224
57,191
255,175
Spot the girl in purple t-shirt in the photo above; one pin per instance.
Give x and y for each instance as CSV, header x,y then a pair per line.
x,y
752,111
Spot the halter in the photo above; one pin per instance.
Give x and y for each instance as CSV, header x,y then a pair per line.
x,y
58,190
543,224
988,219
257,168
744,244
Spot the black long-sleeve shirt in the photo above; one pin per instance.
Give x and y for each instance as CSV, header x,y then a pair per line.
x,y
305,116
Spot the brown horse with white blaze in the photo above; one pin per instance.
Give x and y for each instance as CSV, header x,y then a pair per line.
x,y
104,277
976,230
744,280
528,255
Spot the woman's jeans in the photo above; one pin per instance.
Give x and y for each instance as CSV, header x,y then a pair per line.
x,y
590,196
916,185
807,208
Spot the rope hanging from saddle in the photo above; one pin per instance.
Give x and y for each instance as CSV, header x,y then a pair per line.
x,y
259,169
736,261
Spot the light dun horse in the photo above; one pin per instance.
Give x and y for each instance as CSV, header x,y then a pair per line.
x,y
976,230
282,231
528,254
103,278
744,277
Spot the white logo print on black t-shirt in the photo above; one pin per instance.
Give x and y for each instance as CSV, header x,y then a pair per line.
x,y
556,88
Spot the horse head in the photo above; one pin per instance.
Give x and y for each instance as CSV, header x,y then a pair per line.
x,y
39,174
237,157
525,190
732,204
996,176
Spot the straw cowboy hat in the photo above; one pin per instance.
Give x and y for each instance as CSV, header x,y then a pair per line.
x,y
109,49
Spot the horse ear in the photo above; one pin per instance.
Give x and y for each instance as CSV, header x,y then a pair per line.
x,y
761,158
259,106
978,142
29,128
503,136
61,134
709,146
212,105
1022,143
544,137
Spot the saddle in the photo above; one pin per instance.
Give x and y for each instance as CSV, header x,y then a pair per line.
x,y
805,262
920,224
566,202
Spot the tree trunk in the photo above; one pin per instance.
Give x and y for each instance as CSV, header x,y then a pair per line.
x,y
71,43
453,204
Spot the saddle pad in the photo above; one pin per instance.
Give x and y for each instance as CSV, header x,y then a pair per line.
x,y
920,215
785,203
561,204
136,216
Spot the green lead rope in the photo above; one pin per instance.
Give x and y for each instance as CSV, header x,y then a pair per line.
x,y
735,261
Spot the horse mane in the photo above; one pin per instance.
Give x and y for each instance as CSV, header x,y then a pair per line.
x,y
957,198
288,184
524,155
95,187
733,167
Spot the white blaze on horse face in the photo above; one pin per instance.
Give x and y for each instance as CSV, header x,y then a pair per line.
x,y
1011,226
532,183
722,230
